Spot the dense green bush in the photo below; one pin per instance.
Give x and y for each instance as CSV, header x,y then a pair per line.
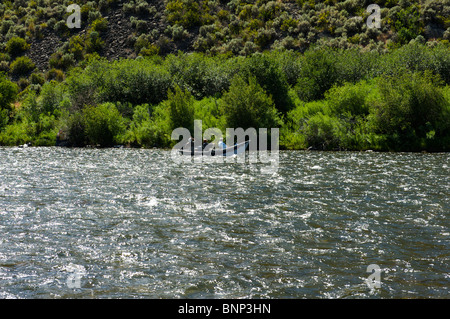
x,y
188,13
47,103
321,132
75,129
99,25
246,105
349,100
51,95
412,112
4,118
104,124
45,130
418,57
145,130
317,75
180,109
126,81
22,66
83,85
202,75
289,62
209,111
270,77
17,133
407,23
16,46
8,92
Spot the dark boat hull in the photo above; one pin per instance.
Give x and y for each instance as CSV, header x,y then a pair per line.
x,y
229,151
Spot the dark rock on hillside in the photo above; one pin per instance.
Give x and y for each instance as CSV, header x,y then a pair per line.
x,y
41,49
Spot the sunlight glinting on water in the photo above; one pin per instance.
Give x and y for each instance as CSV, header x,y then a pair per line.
x,y
134,224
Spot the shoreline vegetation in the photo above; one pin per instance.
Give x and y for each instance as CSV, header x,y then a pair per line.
x,y
323,99
136,70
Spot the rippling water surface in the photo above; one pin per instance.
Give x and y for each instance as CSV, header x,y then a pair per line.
x,y
127,223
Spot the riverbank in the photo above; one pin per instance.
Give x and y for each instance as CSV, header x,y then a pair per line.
x,y
324,99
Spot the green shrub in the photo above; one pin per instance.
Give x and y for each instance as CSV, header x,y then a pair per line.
x,y
99,25
246,105
94,42
55,74
126,81
45,131
76,47
8,92
31,108
180,108
338,122
411,111
289,62
407,23
4,67
143,130
52,94
23,83
4,118
202,75
37,78
150,50
317,75
134,81
208,110
6,25
61,27
16,46
353,65
188,13
22,66
104,124
293,135
321,132
270,77
61,60
47,103
349,99
76,129
17,133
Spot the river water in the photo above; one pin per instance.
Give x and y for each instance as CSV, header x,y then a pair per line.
x,y
129,223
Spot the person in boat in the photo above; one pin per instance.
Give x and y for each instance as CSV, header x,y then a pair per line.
x,y
205,143
189,144
222,144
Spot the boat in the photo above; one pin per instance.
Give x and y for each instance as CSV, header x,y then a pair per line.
x,y
229,151
25,145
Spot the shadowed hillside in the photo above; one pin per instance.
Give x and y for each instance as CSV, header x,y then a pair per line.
x,y
116,28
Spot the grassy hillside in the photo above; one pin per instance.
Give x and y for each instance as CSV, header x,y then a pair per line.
x,y
136,70
116,28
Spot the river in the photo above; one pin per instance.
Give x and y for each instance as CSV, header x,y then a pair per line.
x,y
131,223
